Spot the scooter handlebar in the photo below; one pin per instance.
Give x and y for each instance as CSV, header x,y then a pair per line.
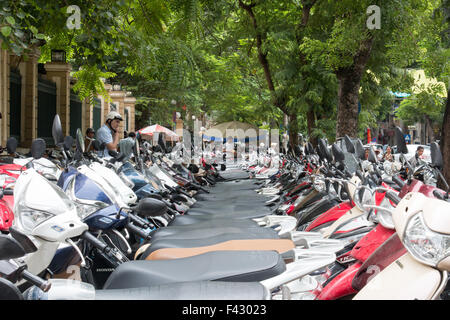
x,y
34,280
138,231
89,237
398,181
393,197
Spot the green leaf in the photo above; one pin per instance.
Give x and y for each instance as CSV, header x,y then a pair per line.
x,y
21,15
11,20
6,30
34,29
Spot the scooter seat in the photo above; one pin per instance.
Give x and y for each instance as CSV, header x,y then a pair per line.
x,y
194,232
207,221
234,266
198,290
257,233
231,212
279,245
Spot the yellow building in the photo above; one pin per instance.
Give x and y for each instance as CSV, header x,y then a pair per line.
x,y
31,94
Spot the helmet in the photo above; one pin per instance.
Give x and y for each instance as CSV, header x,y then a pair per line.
x,y
113,115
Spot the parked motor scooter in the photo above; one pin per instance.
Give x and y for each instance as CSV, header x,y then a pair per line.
x,y
421,273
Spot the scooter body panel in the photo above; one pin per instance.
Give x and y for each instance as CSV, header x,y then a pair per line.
x,y
106,218
341,285
370,242
331,215
83,187
383,256
106,188
404,279
128,196
414,186
6,213
355,212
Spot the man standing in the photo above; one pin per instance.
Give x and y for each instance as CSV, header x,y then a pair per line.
x,y
108,133
126,145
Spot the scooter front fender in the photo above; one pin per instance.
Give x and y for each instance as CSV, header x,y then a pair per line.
x,y
341,285
404,279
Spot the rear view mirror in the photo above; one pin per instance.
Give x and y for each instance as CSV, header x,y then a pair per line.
x,y
359,149
113,153
309,149
149,207
10,248
137,149
11,145
8,291
23,239
329,155
79,141
436,155
337,153
155,196
57,131
323,146
98,146
320,150
68,143
38,148
349,144
372,156
400,141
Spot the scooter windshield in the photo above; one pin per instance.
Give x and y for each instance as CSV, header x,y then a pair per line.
x,y
43,166
384,255
86,189
39,194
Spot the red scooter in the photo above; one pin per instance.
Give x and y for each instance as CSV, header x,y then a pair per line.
x,y
9,172
7,177
349,281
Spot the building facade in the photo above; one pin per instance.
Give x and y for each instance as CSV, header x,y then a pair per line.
x,y
31,94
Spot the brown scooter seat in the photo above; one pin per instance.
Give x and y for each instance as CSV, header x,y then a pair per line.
x,y
279,245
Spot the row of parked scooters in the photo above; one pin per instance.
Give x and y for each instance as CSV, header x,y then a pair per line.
x,y
326,224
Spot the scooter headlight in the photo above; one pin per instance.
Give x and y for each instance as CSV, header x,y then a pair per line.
x,y
319,184
85,210
425,245
31,218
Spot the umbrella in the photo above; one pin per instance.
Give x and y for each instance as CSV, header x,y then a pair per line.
x,y
241,129
150,130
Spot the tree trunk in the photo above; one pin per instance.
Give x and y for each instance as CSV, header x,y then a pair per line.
x,y
349,84
430,132
293,130
445,141
311,123
347,111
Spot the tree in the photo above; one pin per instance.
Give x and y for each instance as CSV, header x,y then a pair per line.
x,y
351,49
439,66
297,85
427,104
